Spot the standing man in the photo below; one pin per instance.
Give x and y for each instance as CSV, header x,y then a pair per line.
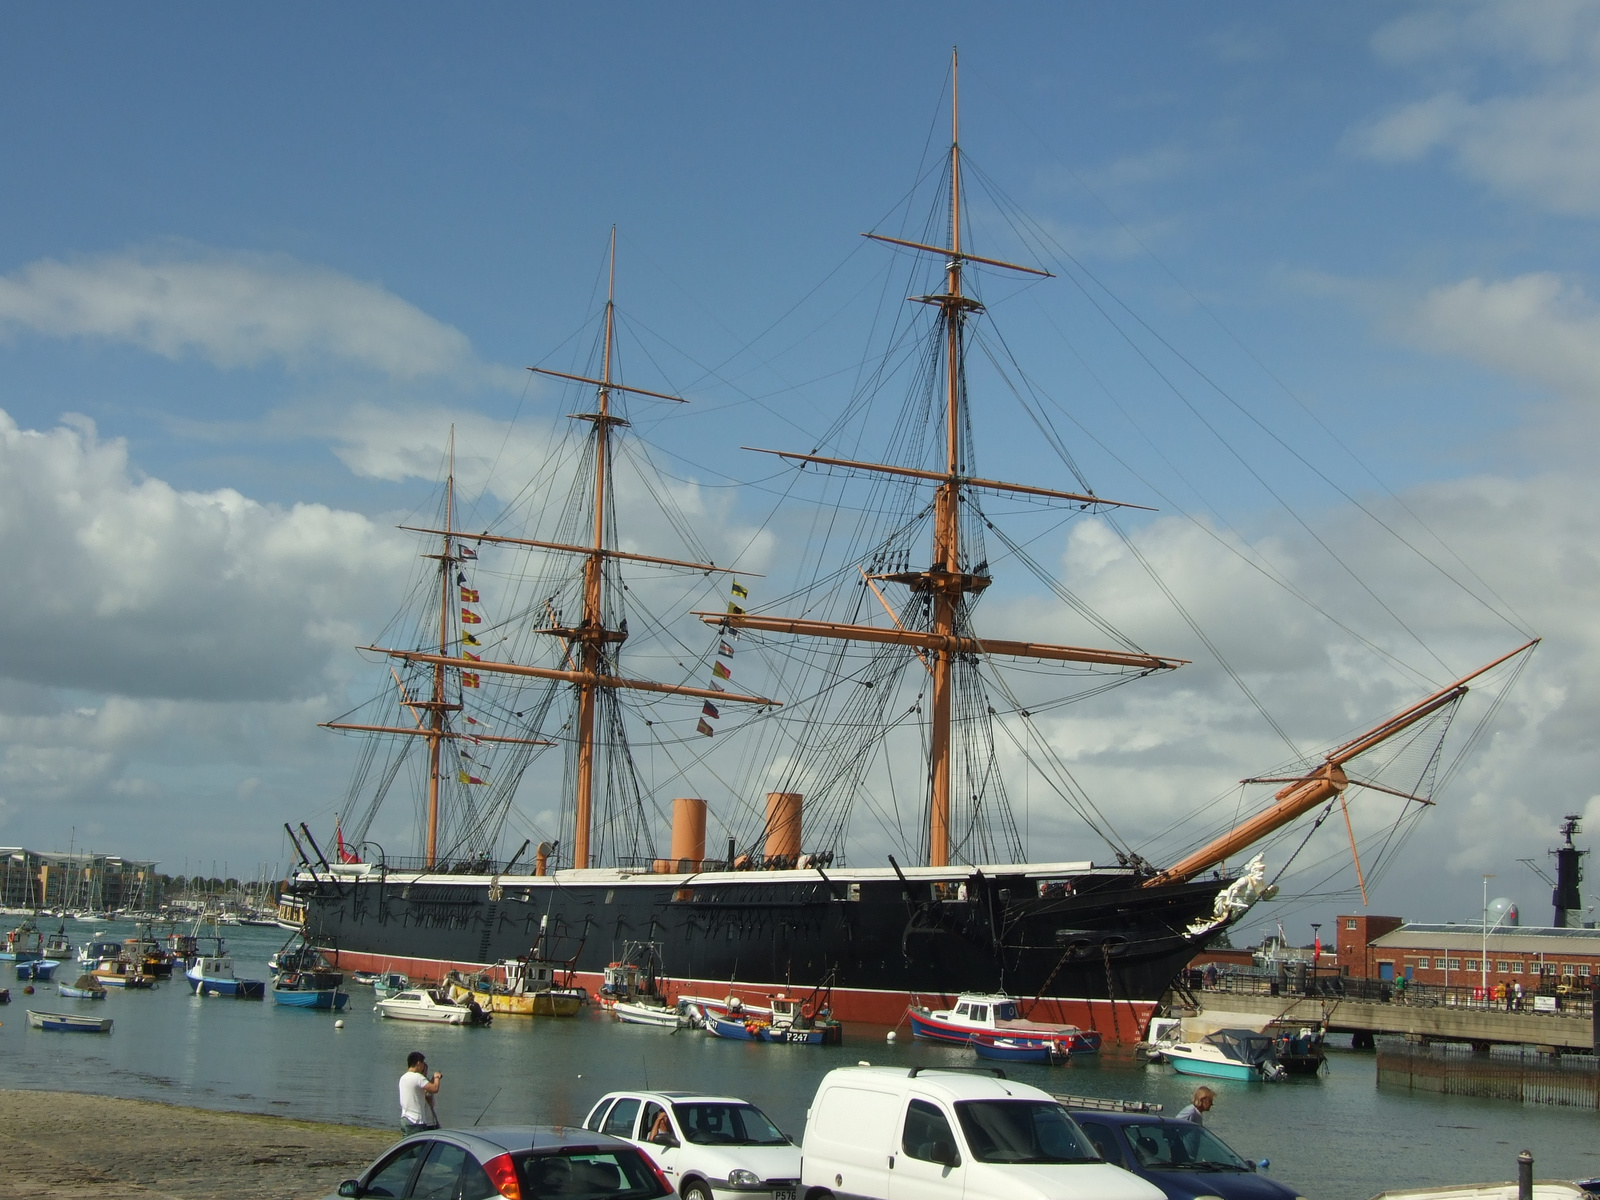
x,y
1203,1097
417,1090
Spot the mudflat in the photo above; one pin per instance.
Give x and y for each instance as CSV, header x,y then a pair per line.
x,y
75,1146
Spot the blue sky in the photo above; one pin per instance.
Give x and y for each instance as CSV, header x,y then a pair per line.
x,y
253,264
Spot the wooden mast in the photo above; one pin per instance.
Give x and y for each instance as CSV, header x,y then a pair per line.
x,y
591,632
944,580
436,723
592,674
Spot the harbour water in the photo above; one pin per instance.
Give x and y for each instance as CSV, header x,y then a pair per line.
x,y
1335,1137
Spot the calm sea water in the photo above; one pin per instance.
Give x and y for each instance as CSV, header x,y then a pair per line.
x,y
1336,1137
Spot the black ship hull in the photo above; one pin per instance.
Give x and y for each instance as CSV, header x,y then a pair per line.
x,y
1078,944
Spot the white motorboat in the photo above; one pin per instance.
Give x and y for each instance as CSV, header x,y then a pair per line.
x,y
430,1005
664,1016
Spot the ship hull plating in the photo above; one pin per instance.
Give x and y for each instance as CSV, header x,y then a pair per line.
x,y
1092,947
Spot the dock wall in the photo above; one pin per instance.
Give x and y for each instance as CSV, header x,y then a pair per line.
x,y
1523,1075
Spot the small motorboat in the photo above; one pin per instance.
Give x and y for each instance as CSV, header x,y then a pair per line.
x,y
433,1006
1226,1054
390,983
997,1015
310,989
37,969
650,1011
68,1022
1025,1050
92,953
1161,1033
212,975
85,987
1299,1050
793,1021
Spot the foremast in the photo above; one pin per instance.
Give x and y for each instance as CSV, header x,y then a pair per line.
x,y
945,581
591,639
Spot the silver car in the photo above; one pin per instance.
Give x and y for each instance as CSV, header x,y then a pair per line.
x,y
530,1162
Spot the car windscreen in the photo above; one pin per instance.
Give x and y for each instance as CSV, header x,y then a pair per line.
x,y
1180,1146
618,1173
721,1124
1022,1131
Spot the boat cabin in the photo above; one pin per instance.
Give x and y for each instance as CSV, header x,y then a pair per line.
x,y
981,1011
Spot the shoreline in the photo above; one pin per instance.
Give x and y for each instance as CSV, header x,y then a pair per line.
x,y
73,1144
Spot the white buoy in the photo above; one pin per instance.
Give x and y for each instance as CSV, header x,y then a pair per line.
x,y
891,1035
863,1063
339,1024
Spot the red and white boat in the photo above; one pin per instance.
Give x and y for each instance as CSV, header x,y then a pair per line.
x,y
996,1016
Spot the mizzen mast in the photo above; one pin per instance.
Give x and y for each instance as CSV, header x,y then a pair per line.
x,y
944,581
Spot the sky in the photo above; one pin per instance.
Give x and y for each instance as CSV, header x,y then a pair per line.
x,y
1325,299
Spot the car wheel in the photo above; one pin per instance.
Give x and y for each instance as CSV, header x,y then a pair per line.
x,y
697,1189
820,1194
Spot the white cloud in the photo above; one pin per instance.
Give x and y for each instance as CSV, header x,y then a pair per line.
x,y
1521,111
1535,326
126,585
235,310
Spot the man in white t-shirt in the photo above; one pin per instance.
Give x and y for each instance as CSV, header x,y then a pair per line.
x,y
417,1090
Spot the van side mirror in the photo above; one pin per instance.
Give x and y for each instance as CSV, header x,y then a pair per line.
x,y
944,1154
350,1188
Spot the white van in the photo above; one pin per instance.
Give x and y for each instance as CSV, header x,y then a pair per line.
x,y
928,1133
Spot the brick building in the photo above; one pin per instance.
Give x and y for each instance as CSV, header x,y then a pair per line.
x,y
1374,947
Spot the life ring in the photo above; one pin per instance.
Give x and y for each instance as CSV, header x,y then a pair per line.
x,y
808,1010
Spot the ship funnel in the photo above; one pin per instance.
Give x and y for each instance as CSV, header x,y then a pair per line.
x,y
783,825
688,834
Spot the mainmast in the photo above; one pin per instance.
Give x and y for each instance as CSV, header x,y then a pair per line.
x,y
591,634
944,580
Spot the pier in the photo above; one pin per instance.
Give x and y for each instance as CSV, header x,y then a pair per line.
x,y
1422,1014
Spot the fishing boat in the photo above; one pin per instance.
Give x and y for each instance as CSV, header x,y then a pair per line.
x,y
40,969
524,987
1226,1054
792,1021
212,975
119,973
310,989
22,944
389,983
85,987
146,950
1024,1050
68,1022
432,1006
881,644
58,945
996,1015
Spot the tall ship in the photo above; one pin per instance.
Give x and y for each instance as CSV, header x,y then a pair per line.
x,y
888,708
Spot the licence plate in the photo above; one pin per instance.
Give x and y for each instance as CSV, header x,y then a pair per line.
x,y
782,1194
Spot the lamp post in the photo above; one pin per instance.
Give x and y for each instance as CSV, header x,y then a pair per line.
x,y
1316,947
1483,961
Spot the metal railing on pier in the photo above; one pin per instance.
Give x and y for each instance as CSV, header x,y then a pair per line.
x,y
1540,999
